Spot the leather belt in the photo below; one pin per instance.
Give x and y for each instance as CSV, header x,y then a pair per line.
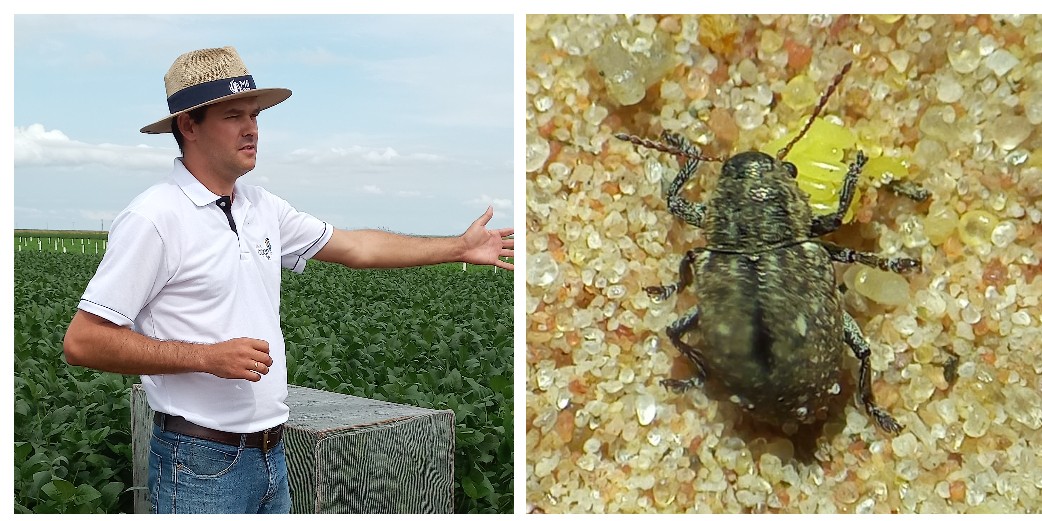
x,y
263,440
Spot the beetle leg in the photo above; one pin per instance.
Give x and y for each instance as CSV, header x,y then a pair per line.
x,y
660,293
675,331
909,189
896,264
822,224
856,340
689,157
692,213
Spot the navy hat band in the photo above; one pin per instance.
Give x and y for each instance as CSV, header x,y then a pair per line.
x,y
189,97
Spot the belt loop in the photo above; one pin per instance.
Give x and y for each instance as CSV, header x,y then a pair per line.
x,y
162,421
265,449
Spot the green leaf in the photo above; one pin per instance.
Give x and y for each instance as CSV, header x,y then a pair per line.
x,y
110,491
476,485
86,494
502,384
22,450
469,487
59,489
453,380
39,480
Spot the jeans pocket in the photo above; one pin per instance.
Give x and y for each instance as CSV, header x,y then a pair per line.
x,y
204,458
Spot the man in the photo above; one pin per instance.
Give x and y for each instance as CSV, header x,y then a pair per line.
x,y
187,294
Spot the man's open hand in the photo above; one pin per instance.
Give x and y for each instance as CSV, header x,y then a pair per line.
x,y
482,246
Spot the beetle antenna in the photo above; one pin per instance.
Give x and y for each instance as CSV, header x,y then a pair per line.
x,y
668,148
817,110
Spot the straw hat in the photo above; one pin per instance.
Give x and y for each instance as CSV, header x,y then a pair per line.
x,y
209,76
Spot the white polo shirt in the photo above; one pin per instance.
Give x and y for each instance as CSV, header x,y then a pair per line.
x,y
175,270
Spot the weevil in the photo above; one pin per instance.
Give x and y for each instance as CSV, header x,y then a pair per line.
x,y
769,308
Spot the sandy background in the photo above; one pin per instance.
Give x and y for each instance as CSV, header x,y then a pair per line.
x,y
951,102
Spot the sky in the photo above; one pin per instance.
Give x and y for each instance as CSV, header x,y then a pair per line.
x,y
396,122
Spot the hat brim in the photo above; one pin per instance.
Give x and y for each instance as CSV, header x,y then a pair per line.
x,y
266,98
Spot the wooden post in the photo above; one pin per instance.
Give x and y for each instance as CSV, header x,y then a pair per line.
x,y
141,432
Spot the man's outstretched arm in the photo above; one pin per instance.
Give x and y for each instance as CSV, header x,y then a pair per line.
x,y
379,249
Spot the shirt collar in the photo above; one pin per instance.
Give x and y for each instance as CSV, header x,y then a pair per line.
x,y
199,194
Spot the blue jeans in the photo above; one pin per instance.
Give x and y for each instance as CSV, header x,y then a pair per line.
x,y
189,475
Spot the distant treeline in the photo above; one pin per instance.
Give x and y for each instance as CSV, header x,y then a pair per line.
x,y
63,234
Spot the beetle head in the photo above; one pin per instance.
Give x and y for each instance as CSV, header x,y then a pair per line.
x,y
756,203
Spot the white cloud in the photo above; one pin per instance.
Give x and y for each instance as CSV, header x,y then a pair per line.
x,y
387,154
356,154
433,158
495,202
376,190
36,146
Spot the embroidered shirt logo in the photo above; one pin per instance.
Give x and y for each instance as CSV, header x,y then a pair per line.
x,y
265,249
239,86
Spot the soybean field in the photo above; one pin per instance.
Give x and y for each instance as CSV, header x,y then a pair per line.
x,y
436,337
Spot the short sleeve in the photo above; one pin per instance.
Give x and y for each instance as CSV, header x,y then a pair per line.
x,y
302,236
131,273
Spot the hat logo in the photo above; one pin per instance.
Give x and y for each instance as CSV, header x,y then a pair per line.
x,y
236,86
